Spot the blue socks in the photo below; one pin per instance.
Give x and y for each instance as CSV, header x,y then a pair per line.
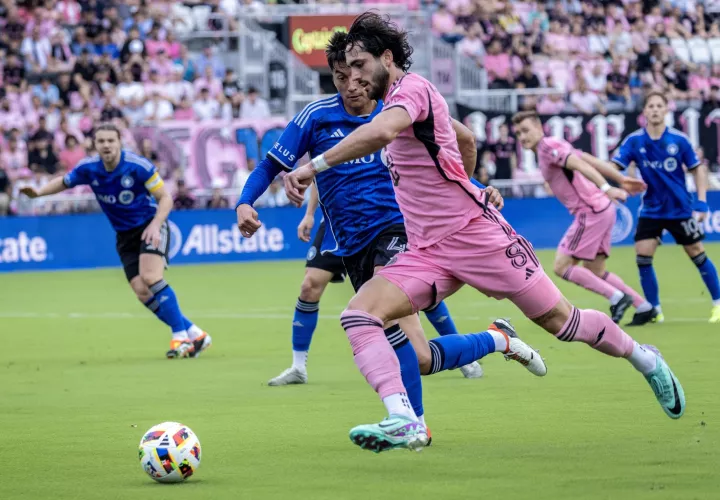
x,y
648,280
168,309
440,318
454,351
154,307
409,367
709,274
304,324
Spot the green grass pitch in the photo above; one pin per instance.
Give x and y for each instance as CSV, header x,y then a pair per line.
x,y
83,375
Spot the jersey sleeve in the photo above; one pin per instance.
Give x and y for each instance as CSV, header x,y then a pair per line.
x,y
689,158
148,175
412,96
294,142
554,152
624,155
78,176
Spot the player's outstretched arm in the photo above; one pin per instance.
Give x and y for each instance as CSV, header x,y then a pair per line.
x,y
610,172
308,222
574,162
256,184
467,146
56,185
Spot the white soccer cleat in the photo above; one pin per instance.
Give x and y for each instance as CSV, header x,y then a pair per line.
x,y
290,376
527,356
472,370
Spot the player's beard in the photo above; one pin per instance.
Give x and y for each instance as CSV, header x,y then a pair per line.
x,y
379,84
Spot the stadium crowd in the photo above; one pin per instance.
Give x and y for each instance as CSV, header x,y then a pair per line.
x,y
65,65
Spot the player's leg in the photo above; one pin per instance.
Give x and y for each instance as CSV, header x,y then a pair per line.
x,y
630,297
439,317
709,275
569,269
597,330
647,238
305,321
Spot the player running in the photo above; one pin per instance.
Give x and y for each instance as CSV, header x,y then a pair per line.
x,y
133,196
454,238
660,152
364,221
588,196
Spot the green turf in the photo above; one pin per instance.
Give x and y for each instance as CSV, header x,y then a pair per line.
x,y
83,375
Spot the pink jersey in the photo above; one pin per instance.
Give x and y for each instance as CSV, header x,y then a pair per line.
x,y
571,188
435,195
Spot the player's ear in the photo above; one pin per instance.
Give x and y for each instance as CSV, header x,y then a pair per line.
x,y
387,58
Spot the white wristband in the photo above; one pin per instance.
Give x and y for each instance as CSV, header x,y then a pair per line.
x,y
319,164
605,187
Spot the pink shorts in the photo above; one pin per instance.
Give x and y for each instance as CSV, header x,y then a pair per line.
x,y
589,235
486,254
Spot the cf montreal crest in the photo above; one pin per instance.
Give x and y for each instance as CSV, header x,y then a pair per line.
x,y
127,181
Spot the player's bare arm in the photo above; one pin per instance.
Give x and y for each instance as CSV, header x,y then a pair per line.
x,y
55,186
308,222
610,171
467,146
701,185
365,140
151,234
577,164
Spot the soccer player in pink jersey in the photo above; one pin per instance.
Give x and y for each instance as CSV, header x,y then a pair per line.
x,y
454,238
590,198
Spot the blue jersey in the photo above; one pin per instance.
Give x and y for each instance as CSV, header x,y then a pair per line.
x,y
660,163
125,194
357,198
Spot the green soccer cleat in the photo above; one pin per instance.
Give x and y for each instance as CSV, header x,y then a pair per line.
x,y
715,315
396,431
666,386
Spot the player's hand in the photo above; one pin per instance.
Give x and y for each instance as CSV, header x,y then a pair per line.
x,y
633,186
617,194
29,192
493,196
247,220
297,182
305,228
151,235
700,216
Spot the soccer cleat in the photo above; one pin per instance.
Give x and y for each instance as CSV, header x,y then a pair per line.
x,y
290,376
518,350
472,370
429,436
666,386
180,349
715,315
617,311
643,318
396,431
200,344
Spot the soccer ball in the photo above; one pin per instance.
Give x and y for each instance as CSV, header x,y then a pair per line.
x,y
169,452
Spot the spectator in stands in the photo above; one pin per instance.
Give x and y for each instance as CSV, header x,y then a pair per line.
x,y
472,46
210,82
184,109
217,200
188,65
133,46
209,59
61,56
621,43
14,159
183,199
586,101
504,157
445,26
231,108
498,65
253,106
129,89
275,196
700,82
177,88
110,111
618,88
46,91
713,101
71,154
42,158
81,42
134,111
13,72
597,79
157,108
206,107
527,79
5,191
84,72
598,40
36,51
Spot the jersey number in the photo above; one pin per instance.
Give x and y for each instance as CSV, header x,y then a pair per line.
x,y
518,258
692,228
395,176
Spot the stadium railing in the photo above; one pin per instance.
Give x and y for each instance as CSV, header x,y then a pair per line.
x,y
502,100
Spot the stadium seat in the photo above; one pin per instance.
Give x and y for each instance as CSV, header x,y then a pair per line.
x,y
714,45
680,48
699,51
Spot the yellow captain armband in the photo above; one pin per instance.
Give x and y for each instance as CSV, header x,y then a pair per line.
x,y
154,183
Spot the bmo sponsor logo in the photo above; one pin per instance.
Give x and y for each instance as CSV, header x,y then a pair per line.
x,y
22,248
210,239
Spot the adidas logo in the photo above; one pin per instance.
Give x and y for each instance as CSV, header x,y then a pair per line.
x,y
337,133
163,299
528,273
442,319
95,183
297,323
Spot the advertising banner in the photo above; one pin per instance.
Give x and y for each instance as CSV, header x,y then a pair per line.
x,y
309,36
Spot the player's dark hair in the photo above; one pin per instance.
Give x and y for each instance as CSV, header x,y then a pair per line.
x,y
377,34
335,50
520,117
106,126
655,93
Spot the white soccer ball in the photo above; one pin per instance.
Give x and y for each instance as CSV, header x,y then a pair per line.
x,y
169,452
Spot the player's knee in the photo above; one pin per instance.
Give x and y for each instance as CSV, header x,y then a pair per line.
x,y
560,268
311,289
425,362
644,260
149,278
362,304
142,292
700,259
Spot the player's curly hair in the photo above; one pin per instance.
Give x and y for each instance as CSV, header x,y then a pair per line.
x,y
377,34
335,49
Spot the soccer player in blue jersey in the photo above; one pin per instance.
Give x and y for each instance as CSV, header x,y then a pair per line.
x,y
133,196
364,223
660,152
